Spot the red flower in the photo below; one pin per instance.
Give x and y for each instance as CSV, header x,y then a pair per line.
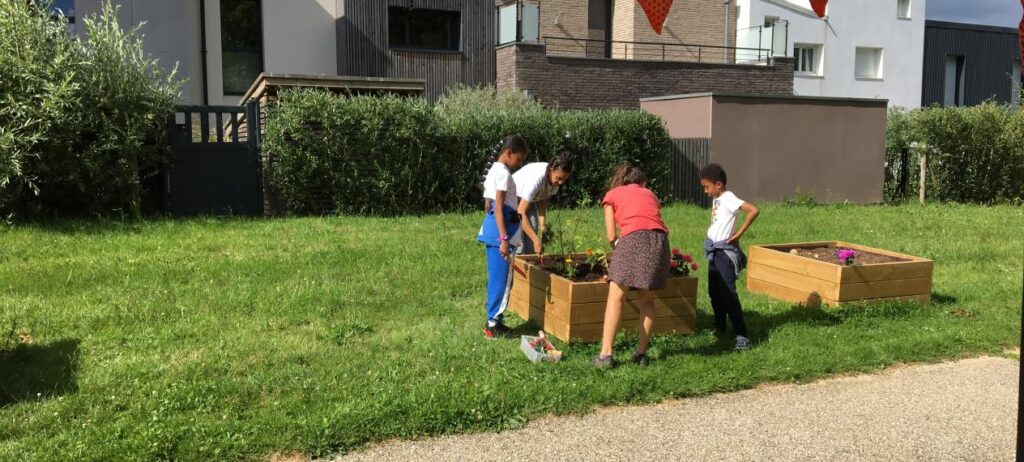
x,y
693,266
674,264
675,251
688,258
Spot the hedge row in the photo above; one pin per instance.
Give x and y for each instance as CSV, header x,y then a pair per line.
x,y
81,120
390,155
974,154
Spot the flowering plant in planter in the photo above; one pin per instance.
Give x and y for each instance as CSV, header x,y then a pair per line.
x,y
846,256
681,264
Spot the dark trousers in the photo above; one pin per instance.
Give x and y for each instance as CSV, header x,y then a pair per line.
x,y
724,300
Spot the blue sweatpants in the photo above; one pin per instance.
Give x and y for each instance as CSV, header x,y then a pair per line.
x,y
499,283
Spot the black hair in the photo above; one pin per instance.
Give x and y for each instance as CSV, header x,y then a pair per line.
x,y
515,143
713,173
627,174
563,161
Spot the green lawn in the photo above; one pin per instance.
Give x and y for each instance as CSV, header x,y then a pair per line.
x,y
226,339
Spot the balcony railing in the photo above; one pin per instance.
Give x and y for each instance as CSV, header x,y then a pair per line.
x,y
654,51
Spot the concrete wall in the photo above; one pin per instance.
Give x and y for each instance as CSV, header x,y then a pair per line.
x,y
849,24
587,83
771,147
171,35
299,37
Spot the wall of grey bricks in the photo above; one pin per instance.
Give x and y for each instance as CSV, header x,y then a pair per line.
x,y
586,83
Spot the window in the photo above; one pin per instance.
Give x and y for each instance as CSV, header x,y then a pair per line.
x,y
65,8
241,43
423,29
903,9
808,58
953,86
868,64
507,23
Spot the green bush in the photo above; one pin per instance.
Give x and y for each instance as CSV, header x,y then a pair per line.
x,y
82,119
974,154
390,155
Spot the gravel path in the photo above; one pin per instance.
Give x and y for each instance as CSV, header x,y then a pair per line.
x,y
958,411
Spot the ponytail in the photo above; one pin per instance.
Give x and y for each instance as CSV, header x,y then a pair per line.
x,y
627,174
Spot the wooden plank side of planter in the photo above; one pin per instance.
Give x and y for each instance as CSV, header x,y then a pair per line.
x,y
784,293
592,332
793,280
593,292
583,313
550,324
768,256
886,271
884,289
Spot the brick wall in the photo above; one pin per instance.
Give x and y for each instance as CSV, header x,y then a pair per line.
x,y
585,83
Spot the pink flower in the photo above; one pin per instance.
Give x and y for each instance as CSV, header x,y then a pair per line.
x,y
693,266
674,264
688,258
675,251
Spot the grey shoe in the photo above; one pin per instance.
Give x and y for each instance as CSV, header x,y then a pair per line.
x,y
603,362
742,343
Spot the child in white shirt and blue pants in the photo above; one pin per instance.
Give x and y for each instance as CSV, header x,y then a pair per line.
x,y
500,232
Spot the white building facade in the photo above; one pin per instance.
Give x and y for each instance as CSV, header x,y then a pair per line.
x,y
860,49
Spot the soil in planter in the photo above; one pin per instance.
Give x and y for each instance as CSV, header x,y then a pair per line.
x,y
828,255
584,272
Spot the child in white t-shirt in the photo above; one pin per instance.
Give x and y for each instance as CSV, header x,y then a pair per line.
x,y
725,257
500,231
536,183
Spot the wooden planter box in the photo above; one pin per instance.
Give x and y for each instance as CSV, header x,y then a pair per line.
x,y
575,310
773,271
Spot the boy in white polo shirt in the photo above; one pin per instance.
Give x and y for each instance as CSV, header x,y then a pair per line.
x,y
725,257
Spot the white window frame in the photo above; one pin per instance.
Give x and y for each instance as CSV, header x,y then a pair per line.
x,y
879,64
901,12
816,59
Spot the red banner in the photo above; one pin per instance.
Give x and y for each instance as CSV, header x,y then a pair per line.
x,y
819,7
657,11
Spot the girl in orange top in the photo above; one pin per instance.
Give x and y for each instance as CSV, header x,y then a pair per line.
x,y
641,259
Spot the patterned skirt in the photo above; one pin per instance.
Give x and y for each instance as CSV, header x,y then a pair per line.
x,y
641,260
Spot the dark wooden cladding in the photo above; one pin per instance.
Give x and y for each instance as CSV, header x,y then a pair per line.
x,y
363,45
687,157
989,56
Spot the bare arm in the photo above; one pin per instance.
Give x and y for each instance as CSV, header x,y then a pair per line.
x,y
542,215
751,214
609,224
499,212
528,230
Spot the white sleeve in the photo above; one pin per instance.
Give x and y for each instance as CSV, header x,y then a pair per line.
x,y
527,189
501,179
732,203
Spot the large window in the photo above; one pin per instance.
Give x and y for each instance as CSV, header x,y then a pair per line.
x,y
241,41
868,64
423,29
953,85
808,58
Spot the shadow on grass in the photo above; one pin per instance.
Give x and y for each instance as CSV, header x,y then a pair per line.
x,y
943,299
32,372
759,325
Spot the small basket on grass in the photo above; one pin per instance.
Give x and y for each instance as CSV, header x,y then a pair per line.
x,y
539,349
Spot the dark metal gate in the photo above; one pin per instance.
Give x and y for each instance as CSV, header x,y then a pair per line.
x,y
214,170
686,158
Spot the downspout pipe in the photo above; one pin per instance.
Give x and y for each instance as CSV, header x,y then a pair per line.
x,y
202,51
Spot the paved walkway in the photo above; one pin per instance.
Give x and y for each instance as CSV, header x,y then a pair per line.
x,y
958,411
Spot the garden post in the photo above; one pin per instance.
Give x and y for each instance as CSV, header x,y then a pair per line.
x,y
924,167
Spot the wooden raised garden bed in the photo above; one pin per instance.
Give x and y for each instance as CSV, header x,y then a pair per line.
x,y
575,310
811,273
